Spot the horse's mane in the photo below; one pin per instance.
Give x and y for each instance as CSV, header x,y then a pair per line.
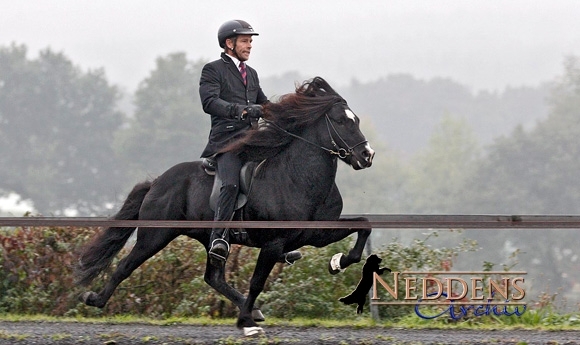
x,y
292,112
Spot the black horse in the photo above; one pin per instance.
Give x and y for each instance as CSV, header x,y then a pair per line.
x,y
299,143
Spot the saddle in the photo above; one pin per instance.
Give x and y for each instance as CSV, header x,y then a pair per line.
x,y
247,173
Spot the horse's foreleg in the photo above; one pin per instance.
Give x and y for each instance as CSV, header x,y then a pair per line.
x,y
339,261
267,258
215,277
149,242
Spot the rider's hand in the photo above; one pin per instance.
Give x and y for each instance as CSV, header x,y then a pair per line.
x,y
243,116
254,111
250,114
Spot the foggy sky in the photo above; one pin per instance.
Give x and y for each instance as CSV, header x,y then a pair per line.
x,y
482,44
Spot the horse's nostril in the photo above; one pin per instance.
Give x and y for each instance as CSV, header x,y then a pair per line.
x,y
369,154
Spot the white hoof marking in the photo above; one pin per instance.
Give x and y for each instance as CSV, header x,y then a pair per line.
x,y
335,262
85,297
252,331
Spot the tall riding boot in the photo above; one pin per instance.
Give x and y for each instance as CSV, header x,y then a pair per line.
x,y
219,240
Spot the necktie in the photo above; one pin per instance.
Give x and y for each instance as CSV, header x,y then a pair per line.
x,y
243,71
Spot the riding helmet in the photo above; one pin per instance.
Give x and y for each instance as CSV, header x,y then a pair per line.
x,y
233,28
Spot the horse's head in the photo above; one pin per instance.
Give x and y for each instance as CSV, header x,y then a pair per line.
x,y
348,142
350,145
316,106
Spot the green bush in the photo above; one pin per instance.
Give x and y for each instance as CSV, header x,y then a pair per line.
x,y
36,278
308,290
420,255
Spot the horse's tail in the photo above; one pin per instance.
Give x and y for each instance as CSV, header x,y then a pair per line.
x,y
98,254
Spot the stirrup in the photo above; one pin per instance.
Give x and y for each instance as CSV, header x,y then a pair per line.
x,y
209,165
218,257
291,257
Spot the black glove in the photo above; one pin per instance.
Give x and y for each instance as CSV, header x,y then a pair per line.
x,y
254,111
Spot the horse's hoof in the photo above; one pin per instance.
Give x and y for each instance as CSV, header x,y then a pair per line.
x,y
334,264
85,297
257,315
91,299
253,331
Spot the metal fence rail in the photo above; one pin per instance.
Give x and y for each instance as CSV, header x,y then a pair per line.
x,y
376,221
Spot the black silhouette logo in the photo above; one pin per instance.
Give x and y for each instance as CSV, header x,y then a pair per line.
x,y
359,295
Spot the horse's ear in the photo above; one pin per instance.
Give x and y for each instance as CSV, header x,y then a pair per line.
x,y
320,83
323,86
317,86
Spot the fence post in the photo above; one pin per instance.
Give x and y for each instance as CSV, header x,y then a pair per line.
x,y
374,308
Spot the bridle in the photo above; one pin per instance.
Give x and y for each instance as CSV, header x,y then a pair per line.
x,y
341,152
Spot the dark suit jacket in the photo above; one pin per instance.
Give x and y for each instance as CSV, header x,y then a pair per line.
x,y
224,96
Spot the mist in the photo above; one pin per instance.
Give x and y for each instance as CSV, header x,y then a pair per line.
x,y
480,44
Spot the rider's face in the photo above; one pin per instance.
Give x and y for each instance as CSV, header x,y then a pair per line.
x,y
243,47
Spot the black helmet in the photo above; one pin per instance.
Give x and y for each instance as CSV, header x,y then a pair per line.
x,y
233,28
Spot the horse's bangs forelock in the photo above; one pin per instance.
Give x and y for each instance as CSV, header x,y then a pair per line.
x,y
316,87
311,100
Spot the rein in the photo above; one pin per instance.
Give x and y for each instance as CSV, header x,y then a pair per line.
x,y
341,152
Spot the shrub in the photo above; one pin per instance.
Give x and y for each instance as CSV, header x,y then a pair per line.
x,y
36,278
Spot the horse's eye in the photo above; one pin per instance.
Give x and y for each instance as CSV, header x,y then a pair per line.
x,y
339,119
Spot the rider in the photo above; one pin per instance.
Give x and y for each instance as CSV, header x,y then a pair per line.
x,y
234,103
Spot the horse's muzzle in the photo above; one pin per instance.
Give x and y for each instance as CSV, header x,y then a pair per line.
x,y
364,158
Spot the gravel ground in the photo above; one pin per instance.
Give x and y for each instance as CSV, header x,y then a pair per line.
x,y
28,333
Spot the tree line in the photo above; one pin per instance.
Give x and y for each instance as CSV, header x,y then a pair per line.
x,y
67,143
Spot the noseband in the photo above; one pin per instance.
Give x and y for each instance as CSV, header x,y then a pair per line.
x,y
341,152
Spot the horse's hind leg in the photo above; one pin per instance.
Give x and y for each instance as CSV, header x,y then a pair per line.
x,y
149,242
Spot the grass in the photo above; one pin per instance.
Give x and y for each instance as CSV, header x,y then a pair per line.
x,y
532,319
12,336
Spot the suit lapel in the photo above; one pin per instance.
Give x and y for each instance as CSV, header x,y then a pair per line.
x,y
233,68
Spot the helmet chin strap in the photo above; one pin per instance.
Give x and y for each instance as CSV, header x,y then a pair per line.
x,y
233,49
235,54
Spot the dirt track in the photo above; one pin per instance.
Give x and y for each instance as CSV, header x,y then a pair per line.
x,y
27,333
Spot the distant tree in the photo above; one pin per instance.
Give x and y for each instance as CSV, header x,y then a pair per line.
x,y
439,171
276,86
536,171
408,110
56,128
169,125
378,189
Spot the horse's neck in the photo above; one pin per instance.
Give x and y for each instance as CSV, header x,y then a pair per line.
x,y
309,161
